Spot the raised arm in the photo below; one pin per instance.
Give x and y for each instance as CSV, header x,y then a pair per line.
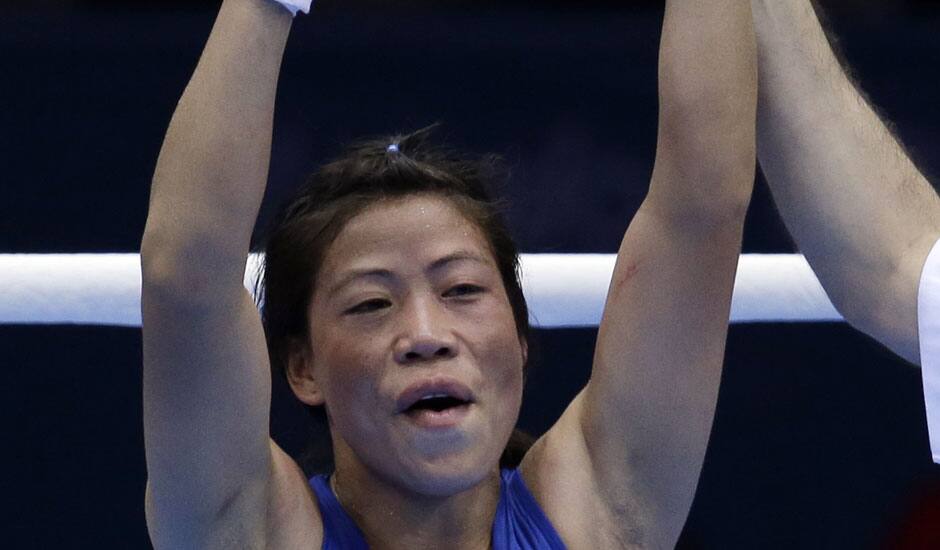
x,y
860,211
213,167
211,466
646,414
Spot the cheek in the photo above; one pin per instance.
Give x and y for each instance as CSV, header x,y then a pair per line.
x,y
350,389
501,360
344,367
502,371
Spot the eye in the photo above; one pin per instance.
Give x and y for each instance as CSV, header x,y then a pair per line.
x,y
463,290
368,306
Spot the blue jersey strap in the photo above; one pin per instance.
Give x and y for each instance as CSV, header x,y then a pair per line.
x,y
339,530
520,523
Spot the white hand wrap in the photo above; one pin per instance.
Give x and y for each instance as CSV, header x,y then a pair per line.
x,y
296,5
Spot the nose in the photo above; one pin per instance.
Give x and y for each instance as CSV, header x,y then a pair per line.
x,y
425,334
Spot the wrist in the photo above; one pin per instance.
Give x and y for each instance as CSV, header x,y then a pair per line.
x,y
293,6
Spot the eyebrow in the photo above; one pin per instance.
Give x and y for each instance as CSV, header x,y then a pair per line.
x,y
458,256
436,265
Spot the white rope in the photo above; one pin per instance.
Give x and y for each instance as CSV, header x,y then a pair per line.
x,y
563,290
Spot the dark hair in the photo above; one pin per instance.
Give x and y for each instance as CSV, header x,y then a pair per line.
x,y
367,173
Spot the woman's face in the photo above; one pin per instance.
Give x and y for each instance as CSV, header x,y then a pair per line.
x,y
415,349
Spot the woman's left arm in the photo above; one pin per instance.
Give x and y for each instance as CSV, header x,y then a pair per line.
x,y
635,438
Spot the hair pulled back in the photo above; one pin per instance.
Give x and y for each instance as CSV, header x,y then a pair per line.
x,y
367,173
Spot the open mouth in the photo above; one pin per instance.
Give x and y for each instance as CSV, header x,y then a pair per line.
x,y
438,410
436,403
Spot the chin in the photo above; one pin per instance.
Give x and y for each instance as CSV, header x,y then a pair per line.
x,y
451,475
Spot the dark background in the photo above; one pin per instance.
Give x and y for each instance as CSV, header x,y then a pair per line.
x,y
820,439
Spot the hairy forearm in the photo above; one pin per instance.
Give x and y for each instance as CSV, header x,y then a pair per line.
x,y
212,170
859,209
705,157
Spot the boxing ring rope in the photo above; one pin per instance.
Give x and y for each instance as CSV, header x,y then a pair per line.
x,y
563,290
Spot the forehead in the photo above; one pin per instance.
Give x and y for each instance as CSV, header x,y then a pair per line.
x,y
418,228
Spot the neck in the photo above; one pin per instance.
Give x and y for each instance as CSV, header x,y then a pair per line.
x,y
391,517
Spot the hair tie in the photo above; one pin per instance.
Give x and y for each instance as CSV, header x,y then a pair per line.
x,y
393,148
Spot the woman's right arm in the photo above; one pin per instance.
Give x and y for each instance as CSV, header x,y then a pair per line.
x,y
212,469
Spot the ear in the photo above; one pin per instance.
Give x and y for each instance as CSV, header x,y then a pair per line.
x,y
524,345
300,374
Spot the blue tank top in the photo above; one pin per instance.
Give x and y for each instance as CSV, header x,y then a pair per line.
x,y
520,523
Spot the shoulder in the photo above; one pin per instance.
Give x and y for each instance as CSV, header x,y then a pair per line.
x,y
558,472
